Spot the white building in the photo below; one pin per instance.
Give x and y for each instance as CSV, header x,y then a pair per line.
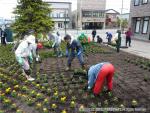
x,y
61,14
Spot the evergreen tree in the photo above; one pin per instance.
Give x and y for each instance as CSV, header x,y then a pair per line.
x,y
32,14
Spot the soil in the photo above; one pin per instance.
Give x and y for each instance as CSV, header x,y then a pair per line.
x,y
129,83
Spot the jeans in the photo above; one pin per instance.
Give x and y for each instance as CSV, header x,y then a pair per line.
x,y
72,56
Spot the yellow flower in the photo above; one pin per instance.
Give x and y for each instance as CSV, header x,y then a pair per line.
x,y
56,93
37,85
16,86
8,90
64,111
45,100
38,105
134,103
45,110
72,104
54,106
63,99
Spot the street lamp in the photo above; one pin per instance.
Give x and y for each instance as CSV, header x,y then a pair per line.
x,y
77,23
121,16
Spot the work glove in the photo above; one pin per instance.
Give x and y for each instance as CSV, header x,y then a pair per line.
x,y
53,45
79,53
30,58
37,58
89,90
20,60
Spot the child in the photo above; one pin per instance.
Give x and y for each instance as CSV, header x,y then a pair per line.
x,y
75,49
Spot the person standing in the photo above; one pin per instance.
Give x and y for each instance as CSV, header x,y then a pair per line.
x,y
97,75
94,34
3,37
0,34
23,55
56,44
118,40
128,37
74,48
109,37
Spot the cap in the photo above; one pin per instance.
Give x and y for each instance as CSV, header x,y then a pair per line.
x,y
30,39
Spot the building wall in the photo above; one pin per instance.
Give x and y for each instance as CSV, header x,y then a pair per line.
x,y
140,11
91,6
61,14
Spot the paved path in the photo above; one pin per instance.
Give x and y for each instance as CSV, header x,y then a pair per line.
x,y
139,48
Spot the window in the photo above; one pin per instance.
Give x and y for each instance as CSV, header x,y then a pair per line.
x,y
144,1
55,15
145,25
58,15
95,14
60,25
61,15
136,2
137,25
87,14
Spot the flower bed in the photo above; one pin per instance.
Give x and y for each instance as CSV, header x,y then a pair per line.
x,y
58,91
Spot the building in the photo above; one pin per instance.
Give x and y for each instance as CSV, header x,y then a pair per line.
x,y
61,14
111,18
139,19
91,14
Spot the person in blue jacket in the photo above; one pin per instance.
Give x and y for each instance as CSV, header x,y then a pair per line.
x,y
73,48
109,37
97,75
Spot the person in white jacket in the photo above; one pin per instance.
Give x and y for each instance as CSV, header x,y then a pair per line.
x,y
56,44
24,55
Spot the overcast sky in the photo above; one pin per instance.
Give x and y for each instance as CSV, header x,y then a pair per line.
x,y
6,6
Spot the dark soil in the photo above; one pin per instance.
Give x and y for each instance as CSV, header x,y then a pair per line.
x,y
128,83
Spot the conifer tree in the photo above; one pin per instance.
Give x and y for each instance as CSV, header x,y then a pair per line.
x,y
32,14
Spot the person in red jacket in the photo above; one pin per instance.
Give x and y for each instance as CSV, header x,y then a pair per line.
x,y
128,37
97,75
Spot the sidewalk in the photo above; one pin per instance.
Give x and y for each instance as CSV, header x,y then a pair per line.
x,y
140,48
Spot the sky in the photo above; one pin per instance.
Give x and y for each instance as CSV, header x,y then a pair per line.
x,y
6,6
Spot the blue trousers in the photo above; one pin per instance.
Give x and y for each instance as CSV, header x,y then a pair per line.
x,y
72,56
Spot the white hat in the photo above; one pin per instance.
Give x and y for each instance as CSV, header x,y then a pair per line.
x,y
31,39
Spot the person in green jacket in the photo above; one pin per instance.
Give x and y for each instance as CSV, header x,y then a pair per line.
x,y
83,40
118,41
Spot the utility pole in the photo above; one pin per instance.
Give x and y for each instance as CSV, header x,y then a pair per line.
x,y
77,22
121,16
65,22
